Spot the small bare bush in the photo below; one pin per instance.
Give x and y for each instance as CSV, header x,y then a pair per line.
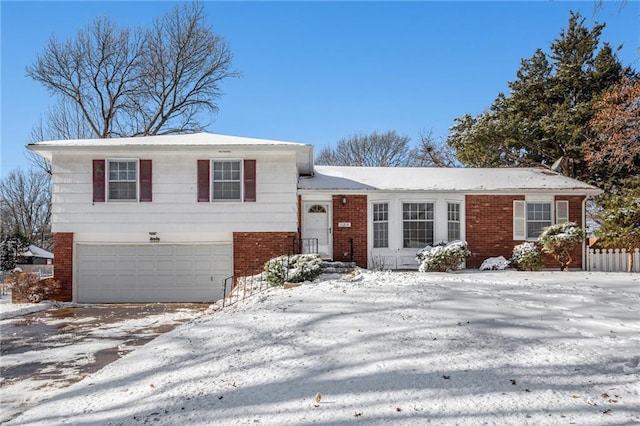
x,y
28,286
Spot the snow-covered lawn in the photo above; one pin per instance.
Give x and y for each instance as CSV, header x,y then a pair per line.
x,y
387,348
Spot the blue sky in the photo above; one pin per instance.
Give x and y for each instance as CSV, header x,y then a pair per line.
x,y
315,72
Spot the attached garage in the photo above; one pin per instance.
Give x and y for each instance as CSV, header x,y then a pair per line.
x,y
142,273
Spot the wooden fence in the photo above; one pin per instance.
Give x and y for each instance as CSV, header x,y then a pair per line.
x,y
611,260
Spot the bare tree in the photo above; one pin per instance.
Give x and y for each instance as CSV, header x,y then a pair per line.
x,y
25,205
375,150
431,154
125,82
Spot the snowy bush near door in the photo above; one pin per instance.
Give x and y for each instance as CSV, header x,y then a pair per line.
x,y
442,258
495,264
294,269
527,257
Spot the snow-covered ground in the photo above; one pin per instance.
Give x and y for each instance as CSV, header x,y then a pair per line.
x,y
385,348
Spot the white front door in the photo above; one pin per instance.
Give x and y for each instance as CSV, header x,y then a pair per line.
x,y
317,227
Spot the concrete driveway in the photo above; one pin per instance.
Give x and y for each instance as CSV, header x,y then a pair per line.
x,y
41,353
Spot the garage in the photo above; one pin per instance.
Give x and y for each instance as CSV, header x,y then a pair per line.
x,y
142,273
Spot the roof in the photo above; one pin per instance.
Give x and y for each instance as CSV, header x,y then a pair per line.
x,y
35,251
196,141
442,180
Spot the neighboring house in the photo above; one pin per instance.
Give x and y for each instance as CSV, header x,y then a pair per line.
x,y
35,255
169,218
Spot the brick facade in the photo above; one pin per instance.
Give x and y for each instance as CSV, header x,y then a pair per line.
x,y
354,212
252,249
489,227
63,264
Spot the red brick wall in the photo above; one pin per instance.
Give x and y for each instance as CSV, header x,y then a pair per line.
x,y
355,212
489,227
63,264
252,249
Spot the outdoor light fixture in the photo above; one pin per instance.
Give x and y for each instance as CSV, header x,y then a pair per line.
x,y
344,200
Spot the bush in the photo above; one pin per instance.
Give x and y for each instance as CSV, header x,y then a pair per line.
x,y
442,257
27,286
526,257
494,264
559,240
294,269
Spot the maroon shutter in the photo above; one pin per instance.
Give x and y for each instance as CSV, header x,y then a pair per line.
x,y
145,181
203,180
249,180
98,181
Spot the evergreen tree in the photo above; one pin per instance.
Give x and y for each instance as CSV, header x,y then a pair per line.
x,y
546,114
11,246
620,219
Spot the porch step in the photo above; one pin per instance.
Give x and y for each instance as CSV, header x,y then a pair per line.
x,y
330,267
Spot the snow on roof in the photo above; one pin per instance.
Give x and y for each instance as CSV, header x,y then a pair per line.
x,y
35,251
440,179
191,139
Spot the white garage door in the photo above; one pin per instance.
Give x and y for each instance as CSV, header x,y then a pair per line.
x,y
152,272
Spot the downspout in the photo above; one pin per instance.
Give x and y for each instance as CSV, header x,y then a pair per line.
x,y
584,225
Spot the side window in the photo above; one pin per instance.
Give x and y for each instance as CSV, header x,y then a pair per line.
x,y
453,221
380,225
538,218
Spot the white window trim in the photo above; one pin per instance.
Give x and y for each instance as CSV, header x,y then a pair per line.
x,y
460,217
401,220
520,206
559,209
107,180
211,181
373,222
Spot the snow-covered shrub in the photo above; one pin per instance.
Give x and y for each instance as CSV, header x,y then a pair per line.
x,y
442,258
26,286
495,264
294,269
527,257
559,240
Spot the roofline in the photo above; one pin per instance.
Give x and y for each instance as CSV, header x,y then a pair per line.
x,y
508,191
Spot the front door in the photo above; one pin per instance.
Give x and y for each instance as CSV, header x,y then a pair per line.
x,y
317,228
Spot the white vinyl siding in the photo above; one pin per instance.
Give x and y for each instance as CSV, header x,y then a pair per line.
x,y
175,207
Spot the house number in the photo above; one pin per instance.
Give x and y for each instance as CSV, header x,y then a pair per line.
x,y
344,224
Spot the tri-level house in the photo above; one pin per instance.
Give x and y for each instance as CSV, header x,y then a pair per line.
x,y
169,218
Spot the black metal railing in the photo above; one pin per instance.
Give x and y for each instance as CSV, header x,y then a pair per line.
x,y
236,290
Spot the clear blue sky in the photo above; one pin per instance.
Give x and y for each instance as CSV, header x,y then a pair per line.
x,y
315,72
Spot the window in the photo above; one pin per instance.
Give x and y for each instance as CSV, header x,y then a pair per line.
x,y
122,180
453,221
317,209
380,225
226,179
417,224
538,218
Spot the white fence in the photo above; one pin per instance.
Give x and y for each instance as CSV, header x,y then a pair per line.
x,y
611,260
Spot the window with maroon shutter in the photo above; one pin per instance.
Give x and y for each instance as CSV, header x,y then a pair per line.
x,y
249,180
203,180
145,181
98,181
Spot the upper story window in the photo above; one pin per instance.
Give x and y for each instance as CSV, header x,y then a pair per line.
x,y
123,180
417,224
226,179
453,221
380,225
